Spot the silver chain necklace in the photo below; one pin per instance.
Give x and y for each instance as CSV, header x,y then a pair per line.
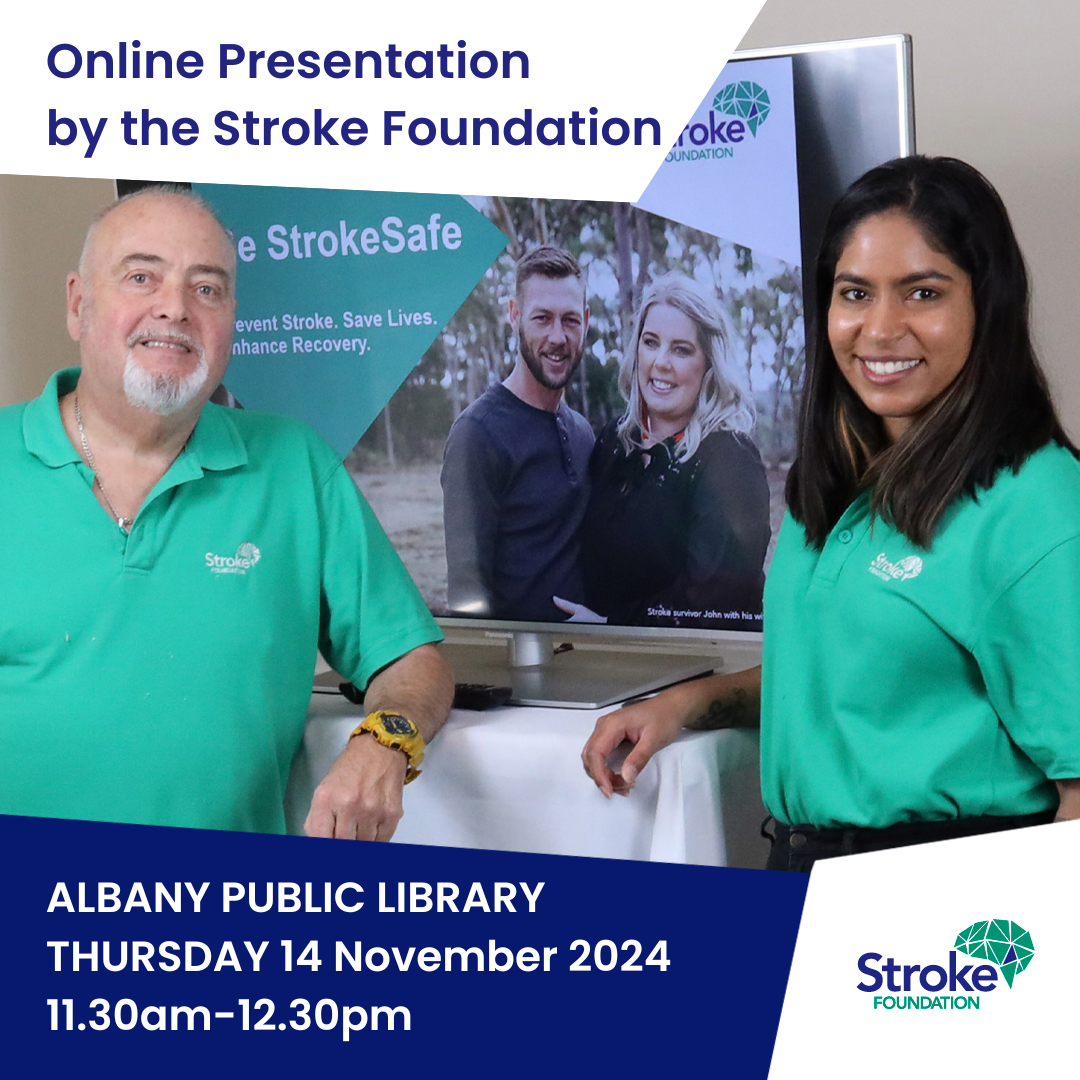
x,y
123,522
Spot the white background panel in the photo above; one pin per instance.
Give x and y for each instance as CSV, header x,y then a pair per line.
x,y
581,55
910,904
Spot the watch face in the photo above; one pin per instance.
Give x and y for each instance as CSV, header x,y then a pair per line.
x,y
397,725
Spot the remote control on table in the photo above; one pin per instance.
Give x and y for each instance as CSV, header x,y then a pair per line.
x,y
480,696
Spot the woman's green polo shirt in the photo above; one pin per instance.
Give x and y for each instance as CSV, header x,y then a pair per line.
x,y
903,684
163,677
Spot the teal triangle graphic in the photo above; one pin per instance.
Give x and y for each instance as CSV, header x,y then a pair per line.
x,y
1004,942
340,293
745,99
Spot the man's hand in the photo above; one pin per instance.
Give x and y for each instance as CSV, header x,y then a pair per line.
x,y
360,798
577,612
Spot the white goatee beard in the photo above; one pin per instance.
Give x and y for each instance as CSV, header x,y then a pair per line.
x,y
162,394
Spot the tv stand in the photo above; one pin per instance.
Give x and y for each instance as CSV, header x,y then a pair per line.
x,y
579,677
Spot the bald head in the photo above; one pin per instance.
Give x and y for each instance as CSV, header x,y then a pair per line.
x,y
153,301
180,195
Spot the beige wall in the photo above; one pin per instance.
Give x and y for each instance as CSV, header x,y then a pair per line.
x,y
42,222
997,83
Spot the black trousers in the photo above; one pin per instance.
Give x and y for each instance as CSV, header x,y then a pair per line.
x,y
798,847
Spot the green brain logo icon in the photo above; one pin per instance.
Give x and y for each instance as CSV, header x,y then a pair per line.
x,y
744,99
1005,943
249,551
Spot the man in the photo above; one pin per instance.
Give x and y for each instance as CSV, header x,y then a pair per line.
x,y
169,567
515,468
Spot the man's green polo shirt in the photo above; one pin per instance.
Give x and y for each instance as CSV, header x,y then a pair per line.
x,y
163,677
906,684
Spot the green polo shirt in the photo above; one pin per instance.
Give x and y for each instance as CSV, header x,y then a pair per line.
x,y
163,677
903,684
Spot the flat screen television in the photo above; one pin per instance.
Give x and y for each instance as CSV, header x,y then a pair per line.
x,y
825,113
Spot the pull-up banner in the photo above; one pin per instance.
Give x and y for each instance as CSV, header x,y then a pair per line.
x,y
341,293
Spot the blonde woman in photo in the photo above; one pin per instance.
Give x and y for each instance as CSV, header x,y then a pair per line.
x,y
677,525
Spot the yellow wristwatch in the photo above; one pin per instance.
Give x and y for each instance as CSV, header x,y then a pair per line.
x,y
396,732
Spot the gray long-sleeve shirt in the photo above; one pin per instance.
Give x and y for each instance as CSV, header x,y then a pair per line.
x,y
515,486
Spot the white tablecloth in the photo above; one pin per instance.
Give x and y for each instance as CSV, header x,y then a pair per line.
x,y
511,779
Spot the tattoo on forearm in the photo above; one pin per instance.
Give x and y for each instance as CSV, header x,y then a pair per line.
x,y
733,711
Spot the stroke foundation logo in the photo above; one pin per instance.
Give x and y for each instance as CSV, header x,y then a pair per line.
x,y
904,570
1005,945
746,100
247,555
717,135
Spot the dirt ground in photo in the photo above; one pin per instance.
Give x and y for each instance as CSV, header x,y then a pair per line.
x,y
408,503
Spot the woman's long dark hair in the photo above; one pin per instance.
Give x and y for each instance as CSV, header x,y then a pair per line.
x,y
994,414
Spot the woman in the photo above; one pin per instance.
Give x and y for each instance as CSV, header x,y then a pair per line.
x,y
922,632
678,518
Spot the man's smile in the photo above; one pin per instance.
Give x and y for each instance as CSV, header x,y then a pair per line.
x,y
163,339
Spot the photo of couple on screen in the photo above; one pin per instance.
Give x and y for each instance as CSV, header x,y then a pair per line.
x,y
602,432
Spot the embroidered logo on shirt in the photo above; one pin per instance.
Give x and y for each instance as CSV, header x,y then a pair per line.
x,y
908,567
247,555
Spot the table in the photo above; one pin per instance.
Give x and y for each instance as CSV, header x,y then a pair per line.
x,y
511,779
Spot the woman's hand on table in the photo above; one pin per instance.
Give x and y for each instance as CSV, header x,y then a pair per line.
x,y
650,725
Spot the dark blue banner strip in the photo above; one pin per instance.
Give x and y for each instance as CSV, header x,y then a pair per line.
x,y
289,954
